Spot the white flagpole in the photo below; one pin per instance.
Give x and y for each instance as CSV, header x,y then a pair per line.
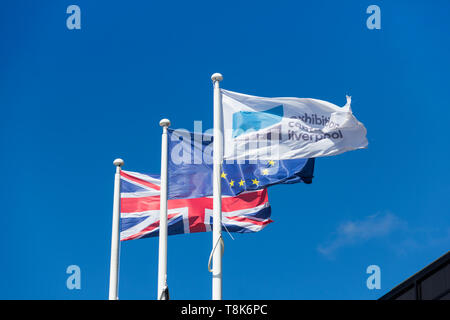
x,y
217,192
115,237
162,258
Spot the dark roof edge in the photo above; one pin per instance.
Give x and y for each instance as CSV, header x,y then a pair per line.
x,y
418,276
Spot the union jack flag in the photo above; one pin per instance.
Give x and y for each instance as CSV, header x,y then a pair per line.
x,y
247,212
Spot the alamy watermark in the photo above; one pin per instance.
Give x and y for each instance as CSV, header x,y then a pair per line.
x,y
74,280
74,20
374,280
197,147
374,20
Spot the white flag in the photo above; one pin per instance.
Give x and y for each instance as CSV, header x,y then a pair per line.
x,y
257,128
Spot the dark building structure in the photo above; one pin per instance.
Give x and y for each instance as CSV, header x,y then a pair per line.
x,y
430,283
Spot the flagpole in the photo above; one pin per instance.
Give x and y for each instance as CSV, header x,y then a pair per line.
x,y
162,258
115,237
217,192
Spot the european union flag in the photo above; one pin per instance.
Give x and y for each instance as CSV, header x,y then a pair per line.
x,y
190,169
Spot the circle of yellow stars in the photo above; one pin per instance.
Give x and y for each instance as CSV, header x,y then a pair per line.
x,y
255,181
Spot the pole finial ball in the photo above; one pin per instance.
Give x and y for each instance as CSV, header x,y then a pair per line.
x,y
118,162
217,77
164,123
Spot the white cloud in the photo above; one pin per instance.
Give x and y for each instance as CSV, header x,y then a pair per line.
x,y
356,232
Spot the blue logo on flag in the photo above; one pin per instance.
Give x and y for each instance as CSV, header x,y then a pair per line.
x,y
248,120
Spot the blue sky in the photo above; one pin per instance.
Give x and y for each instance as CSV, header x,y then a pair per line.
x,y
74,100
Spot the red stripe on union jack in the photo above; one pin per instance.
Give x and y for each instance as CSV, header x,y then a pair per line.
x,y
247,212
